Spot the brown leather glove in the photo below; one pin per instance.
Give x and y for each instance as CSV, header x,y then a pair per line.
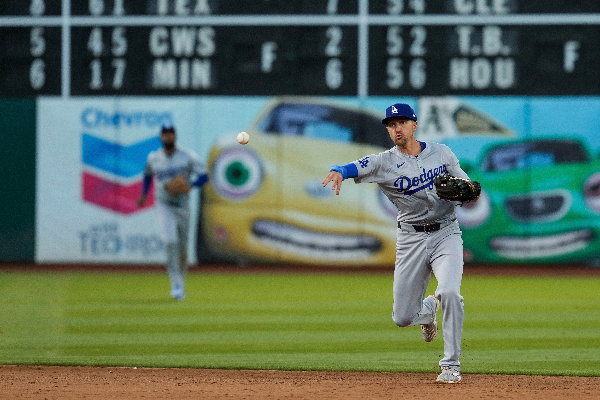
x,y
178,185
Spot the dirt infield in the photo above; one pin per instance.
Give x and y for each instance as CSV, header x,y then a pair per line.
x,y
67,383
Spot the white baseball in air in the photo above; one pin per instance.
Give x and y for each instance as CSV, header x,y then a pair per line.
x,y
243,137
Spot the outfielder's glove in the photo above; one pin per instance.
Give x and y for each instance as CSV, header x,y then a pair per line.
x,y
178,185
449,187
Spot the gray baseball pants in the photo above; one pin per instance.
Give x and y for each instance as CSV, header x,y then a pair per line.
x,y
174,227
418,254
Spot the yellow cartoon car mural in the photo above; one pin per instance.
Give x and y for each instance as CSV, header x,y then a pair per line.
x,y
265,201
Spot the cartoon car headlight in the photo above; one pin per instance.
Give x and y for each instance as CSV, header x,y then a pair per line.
x,y
591,192
237,174
474,214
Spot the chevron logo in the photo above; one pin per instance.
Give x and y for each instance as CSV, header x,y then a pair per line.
x,y
112,176
116,159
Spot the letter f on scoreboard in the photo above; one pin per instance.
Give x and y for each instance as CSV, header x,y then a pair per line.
x,y
268,56
571,55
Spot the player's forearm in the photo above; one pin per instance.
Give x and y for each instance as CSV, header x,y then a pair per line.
x,y
146,185
200,180
347,171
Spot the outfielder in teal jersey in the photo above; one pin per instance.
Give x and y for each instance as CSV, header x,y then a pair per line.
x,y
166,165
428,236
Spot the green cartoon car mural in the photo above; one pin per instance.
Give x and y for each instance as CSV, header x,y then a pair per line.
x,y
540,202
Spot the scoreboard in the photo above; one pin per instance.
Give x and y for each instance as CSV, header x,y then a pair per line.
x,y
299,47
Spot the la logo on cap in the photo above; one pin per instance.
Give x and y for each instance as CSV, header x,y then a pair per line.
x,y
394,110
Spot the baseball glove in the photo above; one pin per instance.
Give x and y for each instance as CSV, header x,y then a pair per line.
x,y
178,185
449,187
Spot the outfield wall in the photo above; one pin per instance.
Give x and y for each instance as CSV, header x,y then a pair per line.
x,y
18,189
81,159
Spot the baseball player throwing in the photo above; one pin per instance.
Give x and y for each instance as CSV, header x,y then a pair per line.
x,y
428,236
173,169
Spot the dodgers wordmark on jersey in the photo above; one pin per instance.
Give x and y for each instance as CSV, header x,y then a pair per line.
x,y
408,181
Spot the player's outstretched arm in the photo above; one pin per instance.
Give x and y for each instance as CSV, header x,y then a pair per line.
x,y
336,178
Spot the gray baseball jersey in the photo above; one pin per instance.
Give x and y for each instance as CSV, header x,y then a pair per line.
x,y
164,168
408,181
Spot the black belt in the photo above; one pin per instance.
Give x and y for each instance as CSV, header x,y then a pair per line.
x,y
424,228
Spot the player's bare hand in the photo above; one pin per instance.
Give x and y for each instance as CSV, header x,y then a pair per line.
x,y
336,178
141,201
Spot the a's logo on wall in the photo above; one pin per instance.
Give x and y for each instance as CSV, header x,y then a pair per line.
x,y
112,172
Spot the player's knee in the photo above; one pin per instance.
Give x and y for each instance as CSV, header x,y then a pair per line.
x,y
401,320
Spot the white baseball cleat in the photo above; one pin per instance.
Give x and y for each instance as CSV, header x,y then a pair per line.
x,y
449,375
430,330
177,292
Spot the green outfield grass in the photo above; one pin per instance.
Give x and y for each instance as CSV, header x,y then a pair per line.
x,y
513,325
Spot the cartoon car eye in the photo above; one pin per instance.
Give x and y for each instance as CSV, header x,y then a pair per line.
x,y
591,192
237,174
388,207
474,214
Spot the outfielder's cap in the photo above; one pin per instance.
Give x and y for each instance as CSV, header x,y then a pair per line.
x,y
167,128
399,110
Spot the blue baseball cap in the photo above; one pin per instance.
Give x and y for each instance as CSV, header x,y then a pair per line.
x,y
399,110
167,128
